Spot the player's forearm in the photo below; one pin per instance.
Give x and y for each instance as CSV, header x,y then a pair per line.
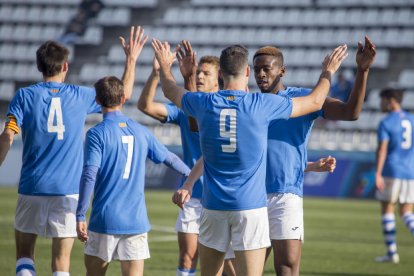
x,y
314,101
196,172
381,156
169,86
175,163
309,167
353,107
148,92
6,140
128,78
86,186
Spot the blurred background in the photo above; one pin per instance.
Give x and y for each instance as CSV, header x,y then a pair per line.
x,y
306,30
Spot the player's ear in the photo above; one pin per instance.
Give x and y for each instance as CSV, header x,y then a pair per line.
x,y
282,72
123,99
248,71
65,67
220,73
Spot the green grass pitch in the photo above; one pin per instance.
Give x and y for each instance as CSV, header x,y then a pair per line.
x,y
342,237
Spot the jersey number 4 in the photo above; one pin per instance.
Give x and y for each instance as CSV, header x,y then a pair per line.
x,y
231,133
407,134
55,111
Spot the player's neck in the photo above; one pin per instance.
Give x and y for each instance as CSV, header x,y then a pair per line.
x,y
111,109
58,78
234,85
279,87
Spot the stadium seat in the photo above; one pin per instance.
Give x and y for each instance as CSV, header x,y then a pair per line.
x,y
406,78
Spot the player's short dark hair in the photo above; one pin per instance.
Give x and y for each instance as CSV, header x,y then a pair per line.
x,y
270,51
213,60
233,59
109,91
50,58
394,93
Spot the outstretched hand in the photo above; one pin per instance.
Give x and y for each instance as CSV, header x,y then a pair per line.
x,y
186,59
137,41
327,164
365,55
334,59
163,53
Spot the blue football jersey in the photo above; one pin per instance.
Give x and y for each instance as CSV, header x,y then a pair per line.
x,y
233,134
52,117
397,129
119,147
286,153
190,142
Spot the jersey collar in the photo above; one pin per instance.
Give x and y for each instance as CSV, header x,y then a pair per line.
x,y
113,114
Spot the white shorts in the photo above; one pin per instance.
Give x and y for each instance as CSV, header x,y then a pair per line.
x,y
47,216
285,216
188,220
230,253
246,230
401,190
117,247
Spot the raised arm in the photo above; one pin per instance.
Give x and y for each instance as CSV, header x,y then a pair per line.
x,y
169,86
335,109
146,101
132,51
314,101
6,140
187,62
183,194
381,156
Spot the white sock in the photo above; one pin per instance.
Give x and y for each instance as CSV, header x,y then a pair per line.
x,y
408,219
60,273
25,267
185,272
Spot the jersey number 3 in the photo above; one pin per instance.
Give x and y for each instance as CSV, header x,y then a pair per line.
x,y
407,134
55,111
231,133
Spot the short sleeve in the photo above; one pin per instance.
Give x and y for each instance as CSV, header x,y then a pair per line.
x,y
157,152
93,148
89,96
173,114
16,108
277,107
382,132
191,103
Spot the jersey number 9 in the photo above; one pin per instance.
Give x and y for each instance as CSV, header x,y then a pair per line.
x,y
231,133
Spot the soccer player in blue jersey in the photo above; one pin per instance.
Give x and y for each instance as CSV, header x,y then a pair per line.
x,y
395,174
286,156
114,169
233,128
51,117
206,80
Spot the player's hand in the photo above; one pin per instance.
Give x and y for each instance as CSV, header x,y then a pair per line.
x,y
379,182
327,164
366,54
137,40
82,230
181,196
186,59
163,53
334,59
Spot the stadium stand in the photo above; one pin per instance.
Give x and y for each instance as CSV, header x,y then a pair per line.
x,y
305,30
